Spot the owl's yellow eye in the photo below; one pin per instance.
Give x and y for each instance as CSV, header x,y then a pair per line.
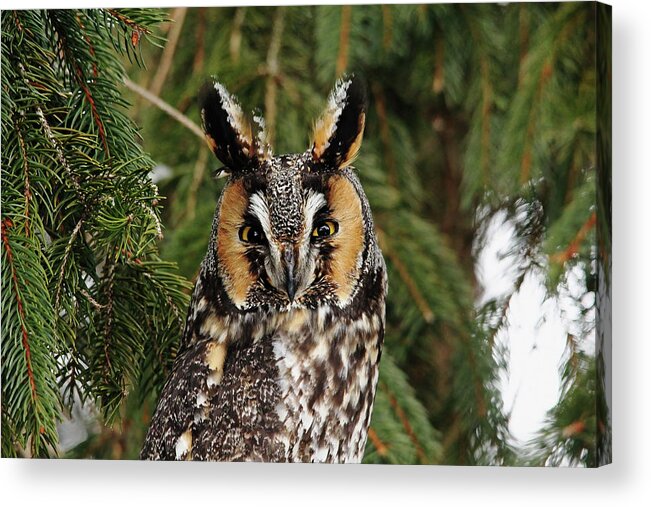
x,y
251,234
325,228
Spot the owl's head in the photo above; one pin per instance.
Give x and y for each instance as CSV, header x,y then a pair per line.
x,y
290,231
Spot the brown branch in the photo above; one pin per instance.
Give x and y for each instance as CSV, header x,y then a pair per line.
x,y
487,101
546,73
575,244
19,25
92,300
235,41
572,429
6,224
438,82
413,289
165,107
487,98
200,53
381,447
344,39
452,435
168,53
197,178
404,420
385,133
81,82
130,23
387,22
273,72
91,49
523,21
525,166
94,112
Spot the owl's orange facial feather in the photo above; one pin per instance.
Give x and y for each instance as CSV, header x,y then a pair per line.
x,y
230,250
348,243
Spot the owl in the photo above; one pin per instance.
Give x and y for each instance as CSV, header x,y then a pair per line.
x,y
280,353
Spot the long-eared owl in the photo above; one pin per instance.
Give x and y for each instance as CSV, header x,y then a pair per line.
x,y
280,354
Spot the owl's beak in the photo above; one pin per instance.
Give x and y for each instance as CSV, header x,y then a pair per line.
x,y
290,275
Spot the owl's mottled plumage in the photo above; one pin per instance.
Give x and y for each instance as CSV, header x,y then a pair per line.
x,y
279,359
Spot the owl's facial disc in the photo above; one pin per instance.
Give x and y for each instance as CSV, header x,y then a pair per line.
x,y
290,240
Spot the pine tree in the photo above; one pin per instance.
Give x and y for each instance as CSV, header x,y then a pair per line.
x,y
478,113
89,309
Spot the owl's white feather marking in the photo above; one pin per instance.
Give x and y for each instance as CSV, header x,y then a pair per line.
x,y
321,350
263,145
202,399
321,454
215,358
235,116
322,314
258,208
313,203
184,445
214,327
326,125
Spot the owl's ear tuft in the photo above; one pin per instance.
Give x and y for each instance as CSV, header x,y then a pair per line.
x,y
338,132
228,131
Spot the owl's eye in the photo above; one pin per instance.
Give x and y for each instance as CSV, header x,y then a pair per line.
x,y
324,229
251,234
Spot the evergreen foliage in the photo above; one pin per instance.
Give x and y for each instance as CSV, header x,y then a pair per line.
x,y
89,309
477,112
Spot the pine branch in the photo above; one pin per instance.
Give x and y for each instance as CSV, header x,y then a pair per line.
x,y
6,223
273,71
419,299
178,15
344,39
165,107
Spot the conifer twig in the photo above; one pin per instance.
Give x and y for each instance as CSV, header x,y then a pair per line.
x,y
381,448
413,289
91,299
575,244
6,224
385,133
27,192
387,22
129,22
197,177
273,70
546,72
200,53
178,15
404,420
235,41
344,39
166,108
66,256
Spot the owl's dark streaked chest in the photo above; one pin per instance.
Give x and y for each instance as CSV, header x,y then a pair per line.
x,y
303,393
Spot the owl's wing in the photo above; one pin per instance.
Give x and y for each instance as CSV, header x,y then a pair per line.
x,y
167,438
239,421
230,418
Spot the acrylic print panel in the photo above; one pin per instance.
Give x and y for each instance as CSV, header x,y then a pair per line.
x,y
375,233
